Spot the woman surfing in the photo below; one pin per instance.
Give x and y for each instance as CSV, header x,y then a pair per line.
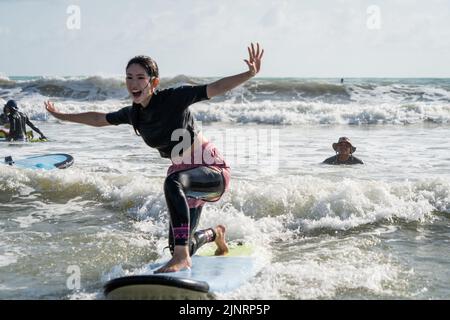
x,y
160,115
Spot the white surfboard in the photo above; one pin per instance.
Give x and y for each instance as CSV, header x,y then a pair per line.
x,y
208,276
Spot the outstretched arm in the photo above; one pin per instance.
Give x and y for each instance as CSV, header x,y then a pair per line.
x,y
96,119
32,126
226,84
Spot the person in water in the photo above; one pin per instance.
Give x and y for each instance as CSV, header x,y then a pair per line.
x,y
17,123
344,153
198,173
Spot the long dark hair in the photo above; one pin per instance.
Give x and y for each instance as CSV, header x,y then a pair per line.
x,y
152,70
147,63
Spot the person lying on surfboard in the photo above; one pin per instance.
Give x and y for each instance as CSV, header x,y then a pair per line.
x,y
198,173
344,153
17,123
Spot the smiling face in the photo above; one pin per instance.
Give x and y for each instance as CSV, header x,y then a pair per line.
x,y
139,84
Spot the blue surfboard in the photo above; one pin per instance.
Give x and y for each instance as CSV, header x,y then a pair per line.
x,y
44,162
209,275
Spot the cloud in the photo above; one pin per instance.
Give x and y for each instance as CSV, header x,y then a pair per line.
x,y
275,15
209,37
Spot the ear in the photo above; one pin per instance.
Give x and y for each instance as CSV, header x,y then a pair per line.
x,y
155,82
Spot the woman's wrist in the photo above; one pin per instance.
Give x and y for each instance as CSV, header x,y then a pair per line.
x,y
250,74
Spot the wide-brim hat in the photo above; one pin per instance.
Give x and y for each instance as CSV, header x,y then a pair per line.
x,y
346,140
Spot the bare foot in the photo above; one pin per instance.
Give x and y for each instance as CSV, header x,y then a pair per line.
x,y
180,260
222,248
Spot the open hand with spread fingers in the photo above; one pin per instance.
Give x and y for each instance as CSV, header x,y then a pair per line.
x,y
254,60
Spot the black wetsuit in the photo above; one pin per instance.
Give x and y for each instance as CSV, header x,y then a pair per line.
x,y
17,126
166,112
3,119
335,160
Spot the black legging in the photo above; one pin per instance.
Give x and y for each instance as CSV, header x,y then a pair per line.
x,y
197,238
203,183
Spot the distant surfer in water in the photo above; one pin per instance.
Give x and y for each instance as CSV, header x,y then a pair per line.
x,y
17,123
198,173
344,153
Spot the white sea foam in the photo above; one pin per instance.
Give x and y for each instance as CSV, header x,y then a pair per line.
x,y
314,202
322,203
269,101
325,271
298,112
273,112
7,259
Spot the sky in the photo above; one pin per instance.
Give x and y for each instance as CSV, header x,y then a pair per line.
x,y
208,38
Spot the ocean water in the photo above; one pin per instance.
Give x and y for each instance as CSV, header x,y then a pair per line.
x,y
374,231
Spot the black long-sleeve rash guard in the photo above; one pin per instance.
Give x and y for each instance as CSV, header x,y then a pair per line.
x,y
17,126
166,112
